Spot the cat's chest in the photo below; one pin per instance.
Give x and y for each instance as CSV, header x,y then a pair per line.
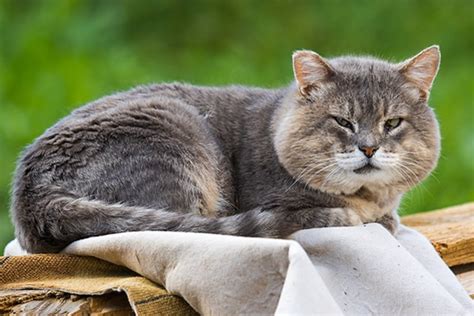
x,y
373,205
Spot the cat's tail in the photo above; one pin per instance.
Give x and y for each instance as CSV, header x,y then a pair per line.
x,y
67,219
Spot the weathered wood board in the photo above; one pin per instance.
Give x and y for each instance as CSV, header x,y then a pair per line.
x,y
450,230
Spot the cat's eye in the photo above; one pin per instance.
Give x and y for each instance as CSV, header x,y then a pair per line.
x,y
344,123
392,123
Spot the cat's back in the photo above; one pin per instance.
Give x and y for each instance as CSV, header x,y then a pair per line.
x,y
144,110
216,104
141,134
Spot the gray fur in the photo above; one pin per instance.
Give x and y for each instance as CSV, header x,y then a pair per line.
x,y
231,160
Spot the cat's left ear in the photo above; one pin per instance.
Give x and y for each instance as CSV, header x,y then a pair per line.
x,y
421,70
310,70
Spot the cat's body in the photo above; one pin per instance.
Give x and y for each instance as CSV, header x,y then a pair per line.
x,y
232,160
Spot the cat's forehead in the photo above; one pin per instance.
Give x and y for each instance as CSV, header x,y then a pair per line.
x,y
367,87
366,73
360,64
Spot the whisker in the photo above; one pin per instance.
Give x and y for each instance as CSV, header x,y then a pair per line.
x,y
300,176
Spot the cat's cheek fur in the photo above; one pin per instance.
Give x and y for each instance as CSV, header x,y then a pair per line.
x,y
421,146
298,148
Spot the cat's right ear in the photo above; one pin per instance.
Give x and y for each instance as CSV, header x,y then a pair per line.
x,y
310,70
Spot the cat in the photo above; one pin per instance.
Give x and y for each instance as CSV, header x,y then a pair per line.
x,y
337,147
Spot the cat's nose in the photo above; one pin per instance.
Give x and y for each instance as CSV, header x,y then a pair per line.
x,y
368,151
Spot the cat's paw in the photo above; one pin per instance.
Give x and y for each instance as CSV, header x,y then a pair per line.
x,y
352,217
390,223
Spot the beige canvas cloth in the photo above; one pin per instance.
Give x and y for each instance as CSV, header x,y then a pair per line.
x,y
328,271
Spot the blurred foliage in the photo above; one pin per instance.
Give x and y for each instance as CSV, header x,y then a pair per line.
x,y
57,55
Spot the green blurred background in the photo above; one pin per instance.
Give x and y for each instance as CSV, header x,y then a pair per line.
x,y
57,55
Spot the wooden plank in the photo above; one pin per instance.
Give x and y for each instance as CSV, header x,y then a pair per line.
x,y
465,274
450,230
453,214
112,304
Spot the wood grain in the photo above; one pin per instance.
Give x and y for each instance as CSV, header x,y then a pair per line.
x,y
112,304
450,230
465,275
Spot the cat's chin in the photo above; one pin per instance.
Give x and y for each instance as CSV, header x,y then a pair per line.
x,y
339,190
365,176
368,168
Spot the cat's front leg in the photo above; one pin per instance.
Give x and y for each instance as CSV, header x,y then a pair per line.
x,y
282,222
390,221
326,217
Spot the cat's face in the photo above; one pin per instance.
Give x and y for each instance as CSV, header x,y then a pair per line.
x,y
353,122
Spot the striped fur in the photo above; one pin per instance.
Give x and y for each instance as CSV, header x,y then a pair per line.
x,y
230,160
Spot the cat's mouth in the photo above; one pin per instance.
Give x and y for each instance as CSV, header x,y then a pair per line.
x,y
366,169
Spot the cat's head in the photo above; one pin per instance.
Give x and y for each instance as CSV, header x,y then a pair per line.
x,y
350,122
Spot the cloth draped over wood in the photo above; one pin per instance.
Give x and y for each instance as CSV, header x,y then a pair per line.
x,y
326,271
54,274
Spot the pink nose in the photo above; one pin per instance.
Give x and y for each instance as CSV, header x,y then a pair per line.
x,y
368,151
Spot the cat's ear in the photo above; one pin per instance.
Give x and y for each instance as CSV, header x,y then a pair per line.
x,y
310,70
421,70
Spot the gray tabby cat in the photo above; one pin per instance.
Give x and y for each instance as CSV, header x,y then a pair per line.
x,y
338,147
